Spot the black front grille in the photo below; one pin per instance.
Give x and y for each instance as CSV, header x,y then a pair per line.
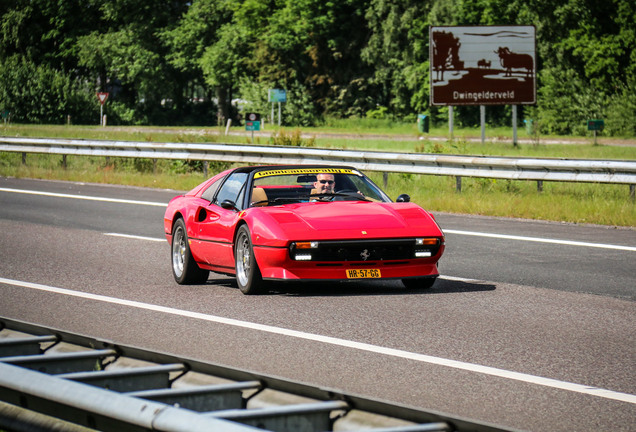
x,y
366,250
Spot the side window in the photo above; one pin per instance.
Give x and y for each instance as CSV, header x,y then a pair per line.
x,y
233,189
208,194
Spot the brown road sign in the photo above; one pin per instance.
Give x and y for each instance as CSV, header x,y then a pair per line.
x,y
483,65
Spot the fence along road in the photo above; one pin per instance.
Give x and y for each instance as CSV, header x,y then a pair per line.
x,y
82,384
567,170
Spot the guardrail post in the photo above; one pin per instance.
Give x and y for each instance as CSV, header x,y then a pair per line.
x,y
64,161
632,192
385,179
540,186
206,165
458,184
23,158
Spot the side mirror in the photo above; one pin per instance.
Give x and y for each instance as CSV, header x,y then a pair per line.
x,y
228,205
403,198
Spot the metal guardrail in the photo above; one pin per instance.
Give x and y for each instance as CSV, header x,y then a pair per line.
x,y
563,170
82,384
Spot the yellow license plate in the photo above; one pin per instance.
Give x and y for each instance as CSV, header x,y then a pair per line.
x,y
363,273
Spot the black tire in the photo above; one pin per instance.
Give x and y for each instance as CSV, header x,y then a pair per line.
x,y
419,283
248,275
184,269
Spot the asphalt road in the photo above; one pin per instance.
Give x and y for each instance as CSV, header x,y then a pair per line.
x,y
532,325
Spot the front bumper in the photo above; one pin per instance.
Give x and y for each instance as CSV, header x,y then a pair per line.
x,y
275,263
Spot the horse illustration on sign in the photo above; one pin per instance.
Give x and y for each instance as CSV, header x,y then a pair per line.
x,y
482,65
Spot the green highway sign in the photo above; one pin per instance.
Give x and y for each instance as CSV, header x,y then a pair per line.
x,y
253,126
277,95
252,122
595,125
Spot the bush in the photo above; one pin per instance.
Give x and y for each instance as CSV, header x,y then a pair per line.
x,y
566,102
621,113
293,139
380,112
299,110
38,94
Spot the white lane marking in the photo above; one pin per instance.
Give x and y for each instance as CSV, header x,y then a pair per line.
x,y
135,237
460,279
542,240
471,367
450,231
84,197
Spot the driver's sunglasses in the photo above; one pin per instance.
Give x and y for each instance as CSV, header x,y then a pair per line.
x,y
327,181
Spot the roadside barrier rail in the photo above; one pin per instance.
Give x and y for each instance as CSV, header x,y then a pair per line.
x,y
562,170
49,376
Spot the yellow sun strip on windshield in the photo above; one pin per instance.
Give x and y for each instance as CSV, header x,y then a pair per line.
x,y
297,171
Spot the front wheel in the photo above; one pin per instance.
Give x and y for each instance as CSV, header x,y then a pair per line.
x,y
248,275
184,269
419,283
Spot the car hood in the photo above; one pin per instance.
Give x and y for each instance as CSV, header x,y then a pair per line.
x,y
348,220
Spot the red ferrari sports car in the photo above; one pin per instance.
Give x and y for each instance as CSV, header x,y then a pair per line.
x,y
302,222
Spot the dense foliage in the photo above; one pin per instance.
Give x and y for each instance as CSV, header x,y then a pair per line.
x,y
184,62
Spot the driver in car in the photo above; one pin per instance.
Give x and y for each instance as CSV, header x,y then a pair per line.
x,y
324,183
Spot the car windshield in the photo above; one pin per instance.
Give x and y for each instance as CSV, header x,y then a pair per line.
x,y
293,185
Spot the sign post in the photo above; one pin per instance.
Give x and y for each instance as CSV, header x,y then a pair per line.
x,y
102,96
514,125
6,115
595,125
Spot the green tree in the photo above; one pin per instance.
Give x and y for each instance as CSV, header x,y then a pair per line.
x,y
196,31
39,94
44,31
398,52
300,46
126,56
